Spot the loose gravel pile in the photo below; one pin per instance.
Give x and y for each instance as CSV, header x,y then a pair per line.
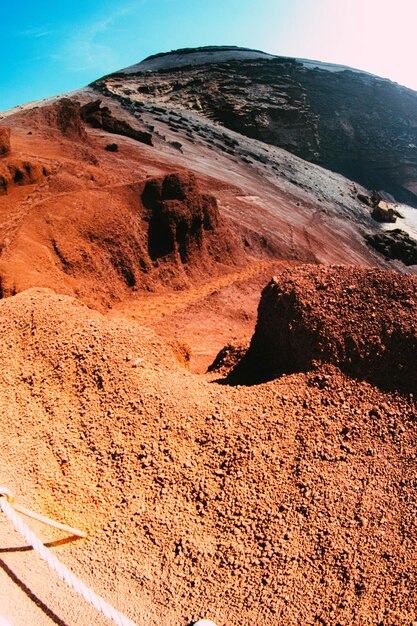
x,y
290,502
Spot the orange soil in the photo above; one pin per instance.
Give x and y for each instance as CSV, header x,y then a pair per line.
x,y
290,502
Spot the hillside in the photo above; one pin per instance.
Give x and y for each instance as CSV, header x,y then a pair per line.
x,y
208,345
315,110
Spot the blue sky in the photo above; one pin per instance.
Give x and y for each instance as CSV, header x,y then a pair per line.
x,y
49,47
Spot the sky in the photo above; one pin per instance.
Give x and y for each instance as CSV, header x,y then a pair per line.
x,y
49,47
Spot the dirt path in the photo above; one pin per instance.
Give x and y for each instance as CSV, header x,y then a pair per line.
x,y
151,307
206,317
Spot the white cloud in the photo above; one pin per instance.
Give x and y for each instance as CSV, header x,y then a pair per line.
x,y
38,31
86,50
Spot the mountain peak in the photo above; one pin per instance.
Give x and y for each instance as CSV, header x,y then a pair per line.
x,y
196,56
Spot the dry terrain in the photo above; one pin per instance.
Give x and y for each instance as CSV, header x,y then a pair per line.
x,y
276,489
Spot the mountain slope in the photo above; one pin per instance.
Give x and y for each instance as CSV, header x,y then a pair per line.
x,y
349,121
136,236
86,228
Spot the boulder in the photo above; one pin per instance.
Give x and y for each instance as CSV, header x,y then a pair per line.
x,y
383,212
101,117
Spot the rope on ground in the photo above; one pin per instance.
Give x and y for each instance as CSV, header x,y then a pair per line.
x,y
40,518
6,504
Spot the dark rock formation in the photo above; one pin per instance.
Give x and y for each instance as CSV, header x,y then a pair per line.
x,y
384,213
4,140
68,119
101,117
365,199
395,244
352,122
362,320
181,219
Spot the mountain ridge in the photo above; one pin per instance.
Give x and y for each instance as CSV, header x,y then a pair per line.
x,y
237,52
346,120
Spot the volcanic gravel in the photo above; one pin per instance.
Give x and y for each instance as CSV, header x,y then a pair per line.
x,y
288,502
291,502
362,320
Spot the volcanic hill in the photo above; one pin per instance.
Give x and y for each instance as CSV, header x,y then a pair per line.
x,y
245,465
348,121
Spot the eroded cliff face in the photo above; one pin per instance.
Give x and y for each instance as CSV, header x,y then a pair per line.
x,y
354,123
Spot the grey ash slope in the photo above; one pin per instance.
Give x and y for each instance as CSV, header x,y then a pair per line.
x,y
351,122
194,57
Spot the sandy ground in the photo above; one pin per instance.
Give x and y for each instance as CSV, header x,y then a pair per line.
x,y
290,502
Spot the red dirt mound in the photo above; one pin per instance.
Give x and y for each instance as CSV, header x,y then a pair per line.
x,y
362,320
104,244
4,140
286,503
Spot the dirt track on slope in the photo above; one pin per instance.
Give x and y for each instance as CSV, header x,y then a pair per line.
x,y
206,317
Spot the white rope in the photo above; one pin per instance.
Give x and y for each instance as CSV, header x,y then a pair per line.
x,y
4,622
40,518
71,580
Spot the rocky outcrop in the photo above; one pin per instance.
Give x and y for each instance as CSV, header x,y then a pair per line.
x,y
395,244
348,121
4,141
66,113
384,213
101,117
185,224
18,172
362,320
383,210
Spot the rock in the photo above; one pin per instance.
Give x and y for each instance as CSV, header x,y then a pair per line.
x,y
362,322
68,119
384,213
112,147
395,244
365,199
101,117
4,140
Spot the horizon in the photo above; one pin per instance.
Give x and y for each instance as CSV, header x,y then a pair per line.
x,y
49,50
